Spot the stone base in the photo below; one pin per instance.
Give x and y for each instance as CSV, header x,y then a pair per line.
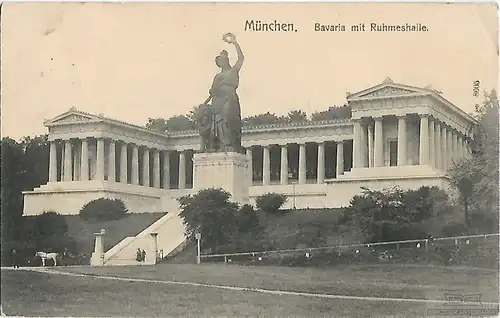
x,y
97,259
228,171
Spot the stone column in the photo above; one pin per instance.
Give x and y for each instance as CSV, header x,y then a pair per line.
x,y
68,171
266,166
135,165
111,161
302,163
124,163
437,144
424,140
356,144
364,146
340,158
444,151
402,141
449,148
182,170
250,165
370,145
53,162
84,173
460,147
284,165
379,142
432,145
156,168
321,163
100,160
145,168
166,170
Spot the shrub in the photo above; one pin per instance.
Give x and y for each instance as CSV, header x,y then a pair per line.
x,y
103,210
270,202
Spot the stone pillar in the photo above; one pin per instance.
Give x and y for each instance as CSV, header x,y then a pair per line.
x,y
460,147
402,142
250,165
135,165
370,145
432,145
321,163
364,146
111,161
84,170
424,140
145,168
284,165
100,160
156,168
97,258
68,171
437,144
356,144
53,162
444,145
152,256
340,158
182,170
166,170
379,142
124,163
266,166
302,163
449,148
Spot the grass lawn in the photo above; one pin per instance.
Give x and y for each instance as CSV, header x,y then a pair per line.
x,y
36,294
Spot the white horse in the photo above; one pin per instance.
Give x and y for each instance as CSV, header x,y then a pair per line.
x,y
45,256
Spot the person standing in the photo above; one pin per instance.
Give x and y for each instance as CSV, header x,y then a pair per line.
x,y
143,255
138,255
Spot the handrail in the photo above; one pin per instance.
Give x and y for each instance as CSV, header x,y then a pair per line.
x,y
352,245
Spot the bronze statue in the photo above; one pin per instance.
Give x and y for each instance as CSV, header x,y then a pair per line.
x,y
223,116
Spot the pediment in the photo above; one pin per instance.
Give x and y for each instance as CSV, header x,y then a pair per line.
x,y
71,117
387,89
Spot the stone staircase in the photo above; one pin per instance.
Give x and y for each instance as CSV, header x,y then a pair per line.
x,y
170,237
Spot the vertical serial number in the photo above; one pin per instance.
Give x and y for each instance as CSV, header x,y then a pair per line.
x,y
475,88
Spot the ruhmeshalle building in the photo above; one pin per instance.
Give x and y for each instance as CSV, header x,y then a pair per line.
x,y
398,135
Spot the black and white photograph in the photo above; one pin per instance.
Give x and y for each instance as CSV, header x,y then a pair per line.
x,y
249,159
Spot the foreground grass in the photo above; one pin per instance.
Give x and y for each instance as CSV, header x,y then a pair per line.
x,y
36,294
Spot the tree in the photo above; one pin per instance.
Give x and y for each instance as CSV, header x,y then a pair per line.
x,y
263,119
296,116
174,123
476,178
157,124
334,112
211,213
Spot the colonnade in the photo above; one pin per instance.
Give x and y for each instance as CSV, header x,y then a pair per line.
x,y
305,171
117,161
439,145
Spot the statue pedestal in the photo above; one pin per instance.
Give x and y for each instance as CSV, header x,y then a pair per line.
x,y
226,170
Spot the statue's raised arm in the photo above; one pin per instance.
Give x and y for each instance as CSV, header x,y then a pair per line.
x,y
231,38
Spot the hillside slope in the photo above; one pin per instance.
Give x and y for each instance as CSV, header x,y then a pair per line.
x,y
83,232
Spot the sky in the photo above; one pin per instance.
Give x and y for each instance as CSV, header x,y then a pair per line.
x,y
135,61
